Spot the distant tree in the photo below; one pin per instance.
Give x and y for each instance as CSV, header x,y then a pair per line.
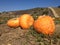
x,y
0,13
58,6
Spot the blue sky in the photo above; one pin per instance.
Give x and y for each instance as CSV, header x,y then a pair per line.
x,y
12,5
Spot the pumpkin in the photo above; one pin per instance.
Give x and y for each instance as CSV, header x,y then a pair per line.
x,y
14,22
45,25
26,21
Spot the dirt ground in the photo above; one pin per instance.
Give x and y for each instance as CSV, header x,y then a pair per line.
x,y
18,36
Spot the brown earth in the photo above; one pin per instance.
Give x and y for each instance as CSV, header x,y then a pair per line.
x,y
18,36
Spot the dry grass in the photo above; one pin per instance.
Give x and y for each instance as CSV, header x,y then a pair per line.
x,y
57,10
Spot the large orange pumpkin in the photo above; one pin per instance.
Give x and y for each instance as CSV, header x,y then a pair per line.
x,y
45,25
14,22
25,21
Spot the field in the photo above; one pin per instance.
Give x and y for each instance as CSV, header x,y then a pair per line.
x,y
18,36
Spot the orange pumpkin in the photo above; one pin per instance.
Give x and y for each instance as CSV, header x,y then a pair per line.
x,y
45,25
25,21
14,22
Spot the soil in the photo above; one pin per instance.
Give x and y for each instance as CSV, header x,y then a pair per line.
x,y
18,36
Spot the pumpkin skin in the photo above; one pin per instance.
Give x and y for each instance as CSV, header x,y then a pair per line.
x,y
14,22
25,21
45,25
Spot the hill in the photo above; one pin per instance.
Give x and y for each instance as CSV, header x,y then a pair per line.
x,y
18,36
57,11
37,11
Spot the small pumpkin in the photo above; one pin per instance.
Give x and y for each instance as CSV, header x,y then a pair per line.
x,y
45,25
14,22
25,21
